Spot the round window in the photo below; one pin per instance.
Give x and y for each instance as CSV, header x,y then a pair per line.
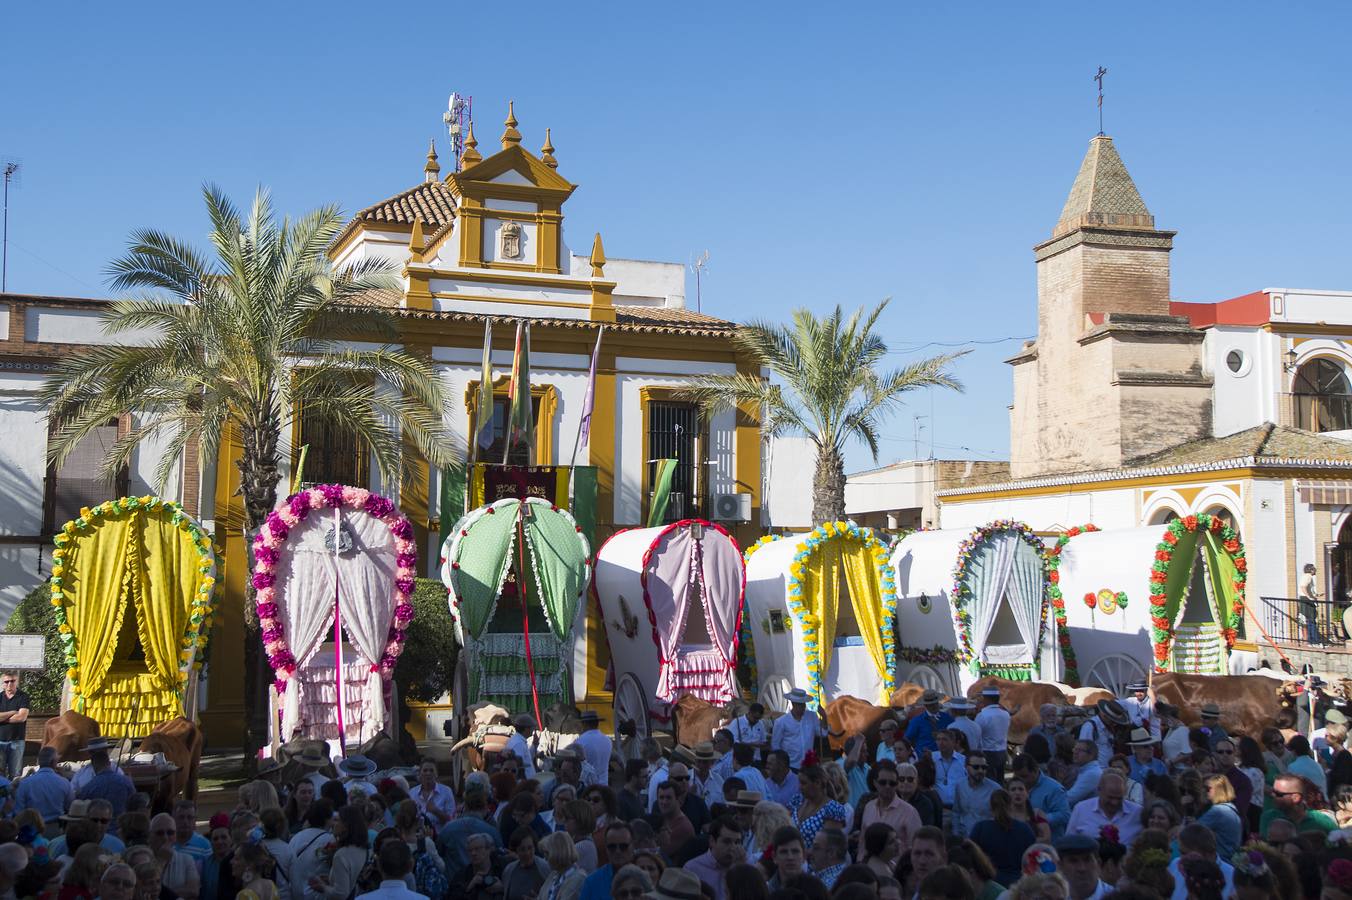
x,y
1234,360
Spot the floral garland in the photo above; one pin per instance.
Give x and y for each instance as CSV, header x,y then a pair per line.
x,y
205,598
1091,599
808,545
271,539
1162,629
962,594
1058,602
937,655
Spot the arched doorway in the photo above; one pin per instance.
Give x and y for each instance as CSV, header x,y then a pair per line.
x,y
1322,396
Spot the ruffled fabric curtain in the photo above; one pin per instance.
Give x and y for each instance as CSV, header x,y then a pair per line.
x,y
97,587
989,571
306,576
362,578
1025,592
555,556
168,578
670,583
866,594
720,567
821,596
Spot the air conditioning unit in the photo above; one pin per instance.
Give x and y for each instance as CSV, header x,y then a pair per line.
x,y
731,508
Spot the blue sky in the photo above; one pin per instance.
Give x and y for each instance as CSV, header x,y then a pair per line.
x,y
821,153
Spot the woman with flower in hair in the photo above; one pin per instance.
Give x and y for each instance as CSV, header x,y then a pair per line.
x,y
1253,878
1202,878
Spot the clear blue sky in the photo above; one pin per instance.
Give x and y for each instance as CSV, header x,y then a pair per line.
x,y
821,153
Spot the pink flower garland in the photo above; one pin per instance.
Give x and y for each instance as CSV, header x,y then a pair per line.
x,y
271,538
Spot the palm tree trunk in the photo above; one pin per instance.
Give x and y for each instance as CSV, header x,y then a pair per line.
x,y
258,475
828,487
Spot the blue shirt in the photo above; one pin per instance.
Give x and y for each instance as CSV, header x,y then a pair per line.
x,y
1086,783
1139,772
922,729
971,804
47,792
597,885
1050,797
783,794
112,786
196,846
58,845
453,838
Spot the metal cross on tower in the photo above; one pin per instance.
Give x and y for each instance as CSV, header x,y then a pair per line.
x,y
1098,76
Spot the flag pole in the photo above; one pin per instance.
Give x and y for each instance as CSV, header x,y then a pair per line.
x,y
588,401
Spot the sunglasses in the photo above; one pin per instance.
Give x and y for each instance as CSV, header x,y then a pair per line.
x,y
906,778
617,848
99,821
977,768
881,782
678,778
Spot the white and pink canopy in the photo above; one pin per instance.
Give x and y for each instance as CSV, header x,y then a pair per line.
x,y
334,561
671,598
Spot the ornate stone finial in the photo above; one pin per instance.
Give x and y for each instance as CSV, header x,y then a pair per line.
x,y
470,156
547,152
598,257
432,169
510,136
416,242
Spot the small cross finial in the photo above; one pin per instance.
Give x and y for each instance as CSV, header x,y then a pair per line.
x,y
1098,76
470,156
510,136
432,169
547,152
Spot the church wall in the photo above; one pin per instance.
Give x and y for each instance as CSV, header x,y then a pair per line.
x,y
1023,418
1125,280
1156,417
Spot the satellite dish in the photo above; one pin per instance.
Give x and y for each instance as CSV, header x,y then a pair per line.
x,y
454,102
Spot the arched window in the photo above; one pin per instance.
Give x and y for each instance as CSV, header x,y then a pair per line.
x,y
1322,397
1163,516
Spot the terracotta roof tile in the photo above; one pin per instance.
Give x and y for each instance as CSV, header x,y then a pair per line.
x,y
431,201
641,319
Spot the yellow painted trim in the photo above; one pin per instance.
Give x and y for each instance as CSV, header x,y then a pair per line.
x,y
504,276
601,442
419,293
516,215
1293,329
1189,494
514,301
1204,478
548,396
747,450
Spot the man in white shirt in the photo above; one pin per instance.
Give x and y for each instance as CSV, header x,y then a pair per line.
x,y
519,744
1176,738
1140,707
1099,729
705,783
657,769
1109,808
307,845
994,722
723,747
959,708
750,729
395,861
594,744
950,767
797,732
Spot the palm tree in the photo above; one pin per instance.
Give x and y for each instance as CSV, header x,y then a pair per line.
x,y
241,342
824,384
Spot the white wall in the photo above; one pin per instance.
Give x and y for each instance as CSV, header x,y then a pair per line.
x,y
1106,509
647,283
1240,399
788,466
1297,305
905,485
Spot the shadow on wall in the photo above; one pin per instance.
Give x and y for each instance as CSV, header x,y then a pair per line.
x,y
23,566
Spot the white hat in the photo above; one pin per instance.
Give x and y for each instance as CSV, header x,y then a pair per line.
x,y
797,695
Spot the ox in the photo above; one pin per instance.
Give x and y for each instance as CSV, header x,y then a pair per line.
x,y
847,716
695,720
180,740
1087,696
70,733
1249,703
1023,699
906,696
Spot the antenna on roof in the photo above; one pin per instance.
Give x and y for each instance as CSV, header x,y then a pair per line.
x,y
457,117
700,264
11,170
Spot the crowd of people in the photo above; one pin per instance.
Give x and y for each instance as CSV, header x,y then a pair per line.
x,y
1126,802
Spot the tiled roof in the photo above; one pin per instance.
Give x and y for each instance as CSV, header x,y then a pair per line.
x,y
640,319
1267,442
431,201
1265,445
1103,192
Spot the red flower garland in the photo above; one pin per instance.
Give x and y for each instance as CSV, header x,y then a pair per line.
x,y
1161,626
1072,674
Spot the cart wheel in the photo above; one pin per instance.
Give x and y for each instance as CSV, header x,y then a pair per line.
x,y
774,690
1114,672
631,704
459,718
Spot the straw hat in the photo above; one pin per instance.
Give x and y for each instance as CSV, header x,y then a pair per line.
x,y
705,752
1113,712
313,756
677,884
747,799
1140,737
931,697
356,766
797,695
79,809
97,744
1211,711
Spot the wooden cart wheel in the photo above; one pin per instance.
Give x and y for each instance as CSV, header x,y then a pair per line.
x,y
1114,672
774,690
631,704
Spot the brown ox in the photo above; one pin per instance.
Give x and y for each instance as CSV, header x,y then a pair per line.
x,y
69,733
1023,699
695,720
847,716
180,740
906,696
1087,696
1249,703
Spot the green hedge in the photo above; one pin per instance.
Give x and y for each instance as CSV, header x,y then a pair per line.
x,y
34,615
428,661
